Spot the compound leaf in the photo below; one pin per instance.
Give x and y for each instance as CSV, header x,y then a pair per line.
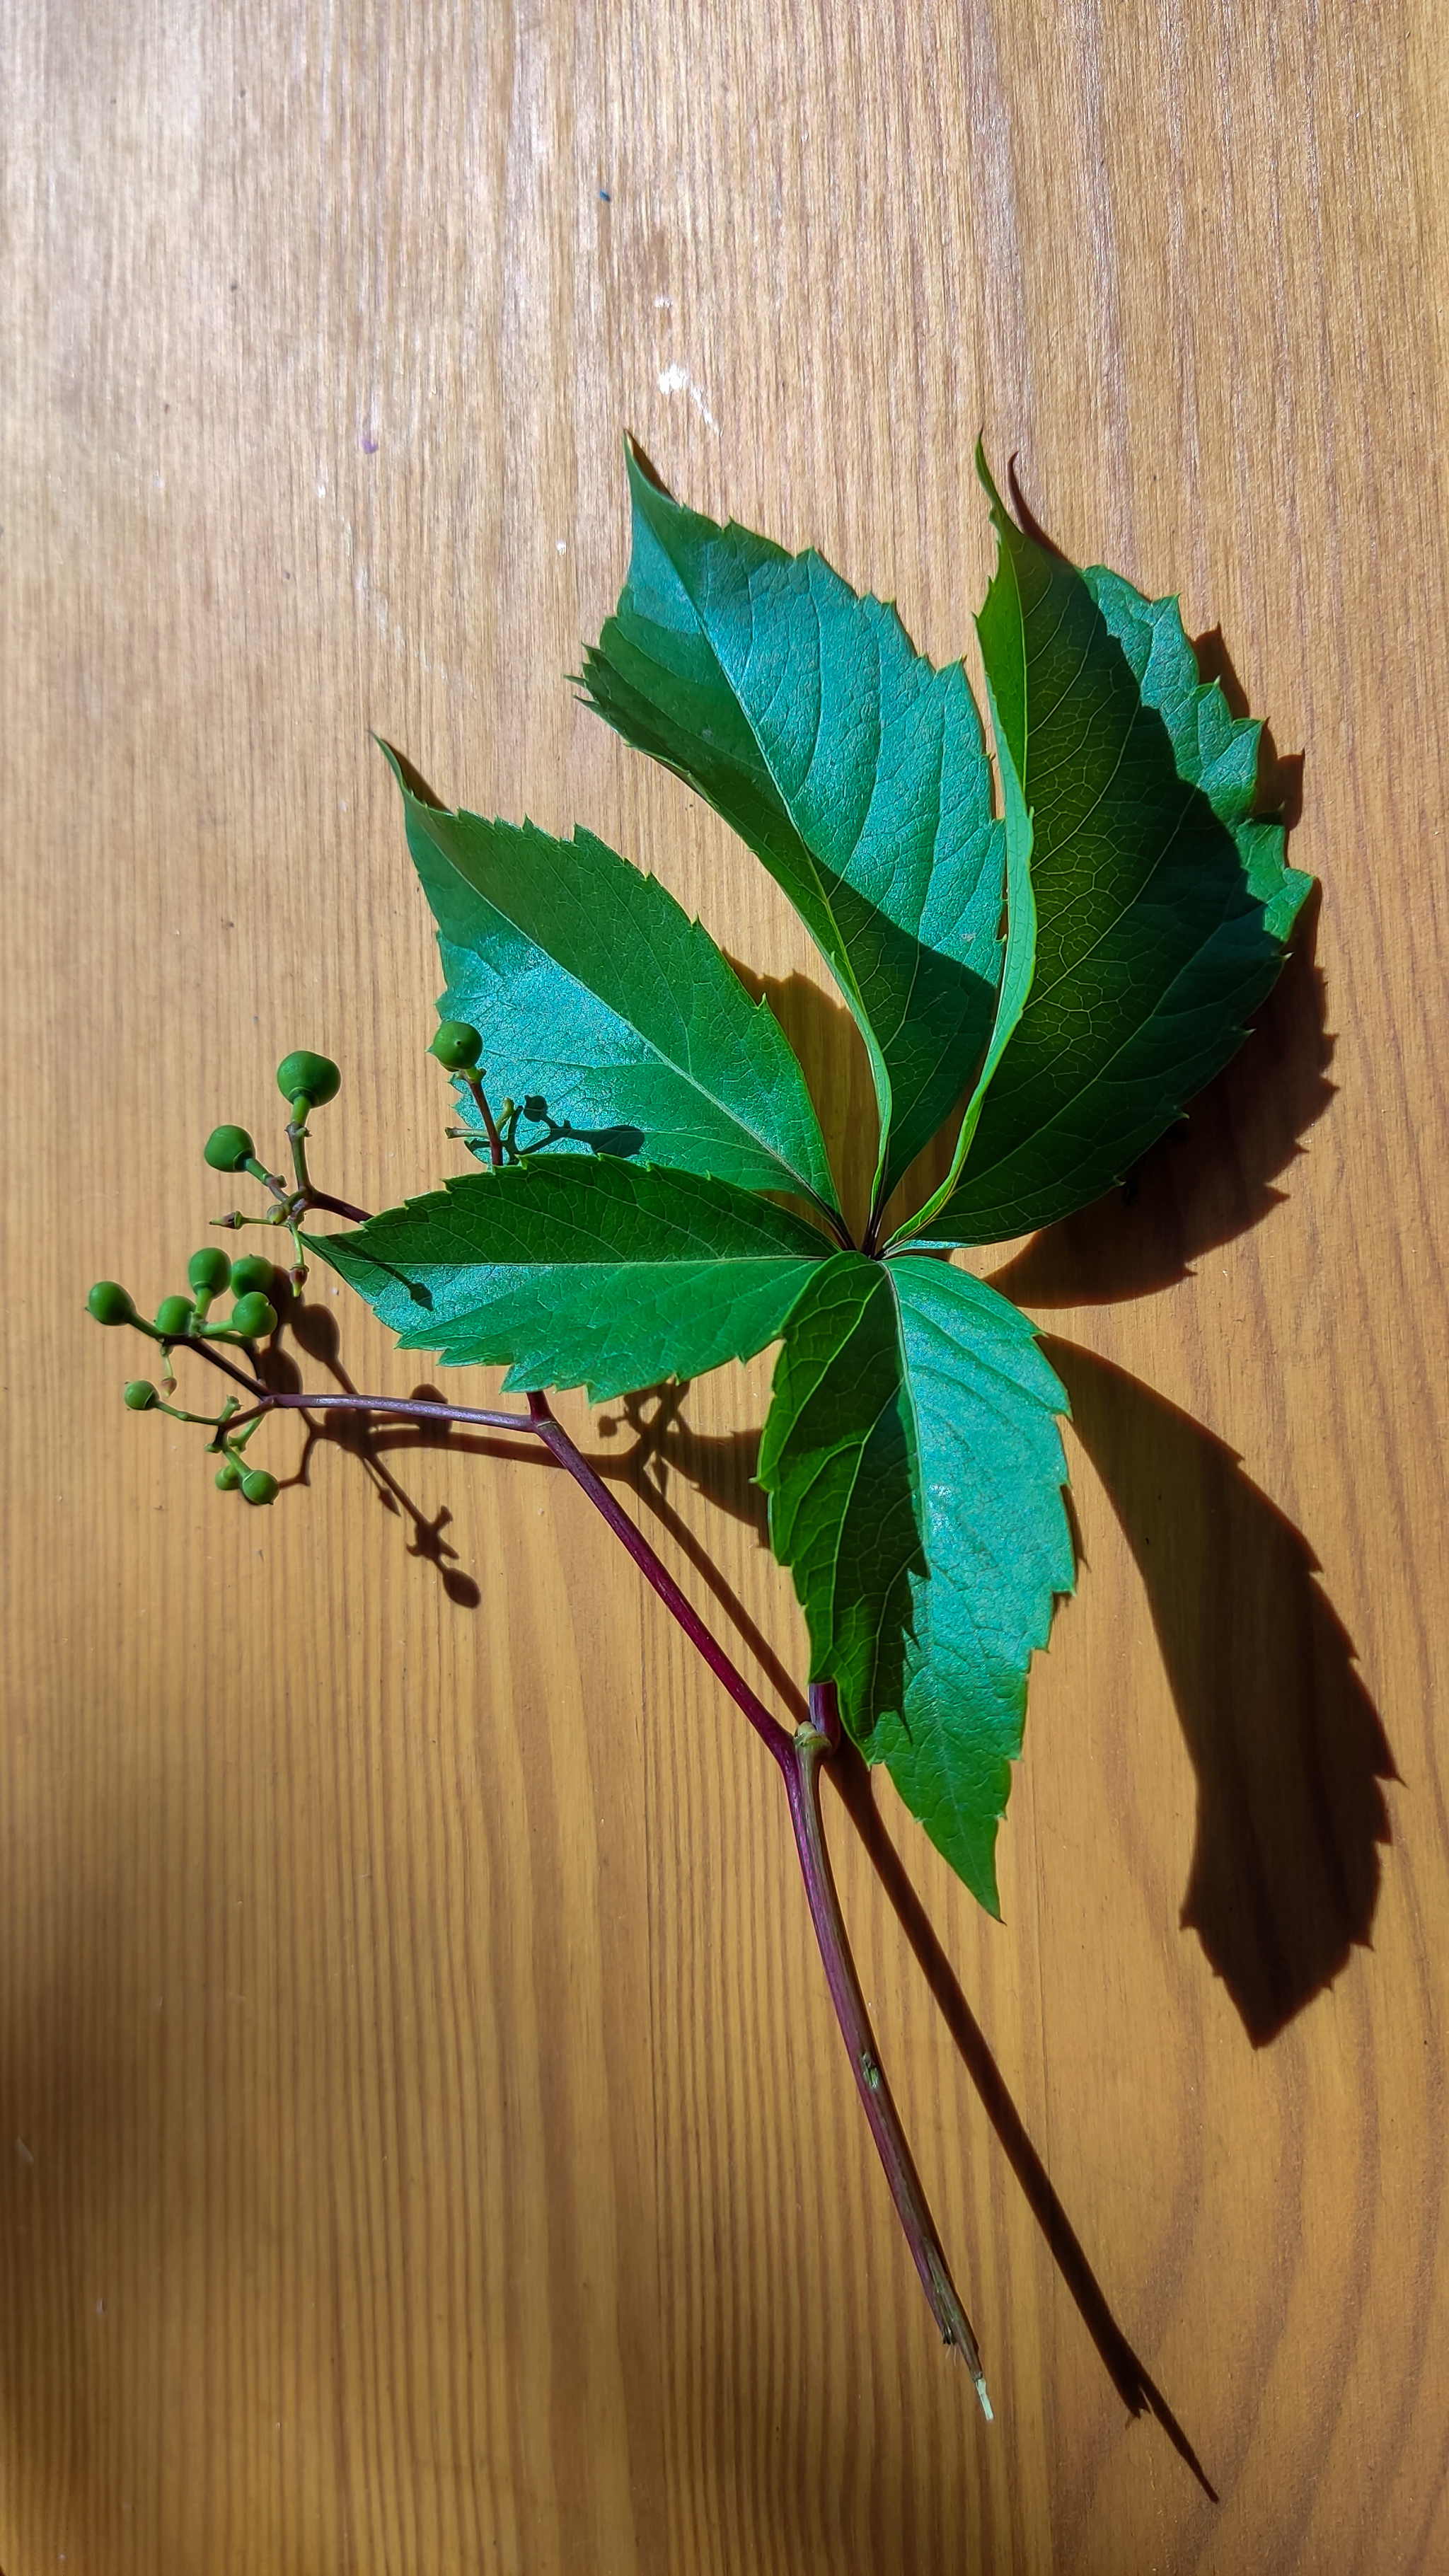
x,y
911,1455
595,992
1162,906
581,1271
853,768
915,1475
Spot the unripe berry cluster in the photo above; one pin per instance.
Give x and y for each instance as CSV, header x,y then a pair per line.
x,y
306,1081
178,1319
254,1484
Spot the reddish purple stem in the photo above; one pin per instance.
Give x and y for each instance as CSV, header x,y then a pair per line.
x,y
556,1440
336,1207
809,1747
799,1756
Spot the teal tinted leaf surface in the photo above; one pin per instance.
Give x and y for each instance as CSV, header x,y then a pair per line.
x,y
581,1272
852,767
594,991
915,1474
1162,905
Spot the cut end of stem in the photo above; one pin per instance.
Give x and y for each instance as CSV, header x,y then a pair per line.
x,y
972,2359
955,2325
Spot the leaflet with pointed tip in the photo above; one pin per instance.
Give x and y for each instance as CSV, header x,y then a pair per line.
x,y
915,1475
581,1271
596,993
1163,906
854,769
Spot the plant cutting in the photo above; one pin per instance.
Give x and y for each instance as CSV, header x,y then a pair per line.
x,y
1045,961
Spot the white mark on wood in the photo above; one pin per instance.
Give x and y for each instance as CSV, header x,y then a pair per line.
x,y
678,380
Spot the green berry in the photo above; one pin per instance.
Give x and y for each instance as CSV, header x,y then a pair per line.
x,y
253,1316
228,1149
251,1273
140,1395
173,1317
259,1487
304,1076
110,1303
228,1475
209,1270
457,1046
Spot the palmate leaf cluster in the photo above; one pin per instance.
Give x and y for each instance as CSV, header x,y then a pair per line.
x,y
1056,959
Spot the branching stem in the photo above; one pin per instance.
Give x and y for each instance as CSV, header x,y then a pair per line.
x,y
336,1207
798,1755
474,1082
556,1440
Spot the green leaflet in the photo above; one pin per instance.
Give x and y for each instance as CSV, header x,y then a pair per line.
x,y
595,992
1017,970
1162,906
853,768
915,1475
1003,648
581,1271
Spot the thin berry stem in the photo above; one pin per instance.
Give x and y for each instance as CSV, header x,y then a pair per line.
x,y
270,1180
406,1408
474,1082
297,1139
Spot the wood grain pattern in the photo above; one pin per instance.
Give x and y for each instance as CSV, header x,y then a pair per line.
x,y
423,2141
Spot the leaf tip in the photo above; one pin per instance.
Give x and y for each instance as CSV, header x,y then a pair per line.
x,y
986,479
642,470
411,781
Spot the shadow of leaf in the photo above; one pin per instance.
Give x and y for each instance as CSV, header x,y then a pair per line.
x,y
837,1075
1210,1178
1287,1746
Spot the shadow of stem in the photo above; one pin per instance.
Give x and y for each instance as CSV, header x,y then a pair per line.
x,y
1136,2388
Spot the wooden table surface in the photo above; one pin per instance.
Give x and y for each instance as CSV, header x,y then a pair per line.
x,y
424,2141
